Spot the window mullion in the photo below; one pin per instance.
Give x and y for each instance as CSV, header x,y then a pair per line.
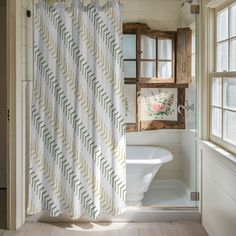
x,y
157,57
229,61
222,108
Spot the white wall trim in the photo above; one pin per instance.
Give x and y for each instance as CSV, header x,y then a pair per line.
x,y
224,153
214,3
15,160
206,66
133,214
217,3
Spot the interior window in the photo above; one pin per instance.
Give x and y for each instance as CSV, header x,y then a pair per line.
x,y
223,80
153,90
157,59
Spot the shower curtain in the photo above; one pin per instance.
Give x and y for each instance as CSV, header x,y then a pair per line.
x,y
77,161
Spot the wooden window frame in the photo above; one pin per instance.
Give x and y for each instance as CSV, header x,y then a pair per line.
x,y
158,35
221,141
139,29
133,29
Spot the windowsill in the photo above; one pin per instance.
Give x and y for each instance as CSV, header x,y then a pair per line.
x,y
220,150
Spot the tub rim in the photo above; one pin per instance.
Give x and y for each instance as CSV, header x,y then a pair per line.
x,y
160,160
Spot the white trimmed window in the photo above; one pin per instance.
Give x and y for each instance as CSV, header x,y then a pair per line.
x,y
223,80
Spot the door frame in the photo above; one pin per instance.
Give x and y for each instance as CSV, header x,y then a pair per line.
x,y
15,157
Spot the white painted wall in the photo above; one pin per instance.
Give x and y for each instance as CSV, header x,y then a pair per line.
x,y
158,14
3,95
218,191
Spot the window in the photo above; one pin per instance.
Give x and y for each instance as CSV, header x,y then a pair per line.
x,y
226,39
223,80
153,90
130,59
157,58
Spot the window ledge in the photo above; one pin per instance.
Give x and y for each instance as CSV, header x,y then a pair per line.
x,y
220,150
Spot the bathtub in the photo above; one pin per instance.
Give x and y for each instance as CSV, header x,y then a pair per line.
x,y
142,164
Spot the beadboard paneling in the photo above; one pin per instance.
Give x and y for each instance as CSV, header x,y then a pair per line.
x,y
218,193
168,139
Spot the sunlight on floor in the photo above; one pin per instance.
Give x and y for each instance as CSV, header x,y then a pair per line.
x,y
96,227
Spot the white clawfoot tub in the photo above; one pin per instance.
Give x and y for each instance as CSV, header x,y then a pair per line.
x,y
142,163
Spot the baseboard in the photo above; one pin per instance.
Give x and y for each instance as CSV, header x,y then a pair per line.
x,y
143,214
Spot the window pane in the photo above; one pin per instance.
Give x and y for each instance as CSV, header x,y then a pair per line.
x,y
130,69
233,54
217,92
230,126
148,47
222,25
233,20
129,46
230,93
222,56
148,69
164,70
193,42
193,54
216,121
193,65
164,49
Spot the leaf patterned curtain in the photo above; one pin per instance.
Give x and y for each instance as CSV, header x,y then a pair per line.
x,y
77,162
